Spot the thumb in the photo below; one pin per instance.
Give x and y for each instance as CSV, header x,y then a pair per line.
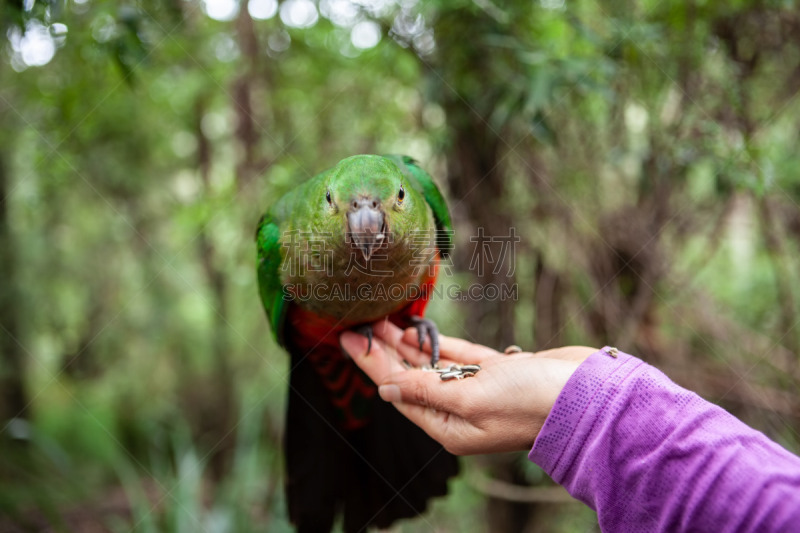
x,y
425,389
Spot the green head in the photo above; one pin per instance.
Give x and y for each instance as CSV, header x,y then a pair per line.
x,y
371,198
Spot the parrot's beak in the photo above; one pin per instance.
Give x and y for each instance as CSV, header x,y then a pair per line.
x,y
366,225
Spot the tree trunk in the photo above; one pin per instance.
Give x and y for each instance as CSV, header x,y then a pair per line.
x,y
13,399
215,404
477,183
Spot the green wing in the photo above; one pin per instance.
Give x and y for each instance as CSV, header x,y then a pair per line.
x,y
424,183
269,282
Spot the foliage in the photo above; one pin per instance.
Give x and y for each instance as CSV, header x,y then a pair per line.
x,y
645,153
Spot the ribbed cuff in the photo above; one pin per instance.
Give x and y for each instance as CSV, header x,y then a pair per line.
x,y
584,396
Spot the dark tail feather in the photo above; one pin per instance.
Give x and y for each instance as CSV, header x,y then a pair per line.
x,y
314,451
377,474
399,469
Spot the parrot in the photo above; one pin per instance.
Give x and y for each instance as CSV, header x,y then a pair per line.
x,y
360,242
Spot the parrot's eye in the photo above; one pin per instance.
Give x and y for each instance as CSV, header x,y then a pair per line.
x,y
328,196
400,195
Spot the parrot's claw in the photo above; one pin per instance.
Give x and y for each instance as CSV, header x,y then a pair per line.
x,y
426,328
365,330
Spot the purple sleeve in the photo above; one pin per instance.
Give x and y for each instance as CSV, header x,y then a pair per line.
x,y
648,455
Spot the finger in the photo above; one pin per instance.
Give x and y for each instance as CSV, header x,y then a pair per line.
x,y
393,336
567,353
378,364
459,350
453,350
427,389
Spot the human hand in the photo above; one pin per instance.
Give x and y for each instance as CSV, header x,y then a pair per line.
x,y
500,409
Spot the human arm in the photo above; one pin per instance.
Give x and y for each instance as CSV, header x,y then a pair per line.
x,y
649,455
643,452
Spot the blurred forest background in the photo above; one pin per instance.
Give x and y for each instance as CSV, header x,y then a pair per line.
x,y
646,154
